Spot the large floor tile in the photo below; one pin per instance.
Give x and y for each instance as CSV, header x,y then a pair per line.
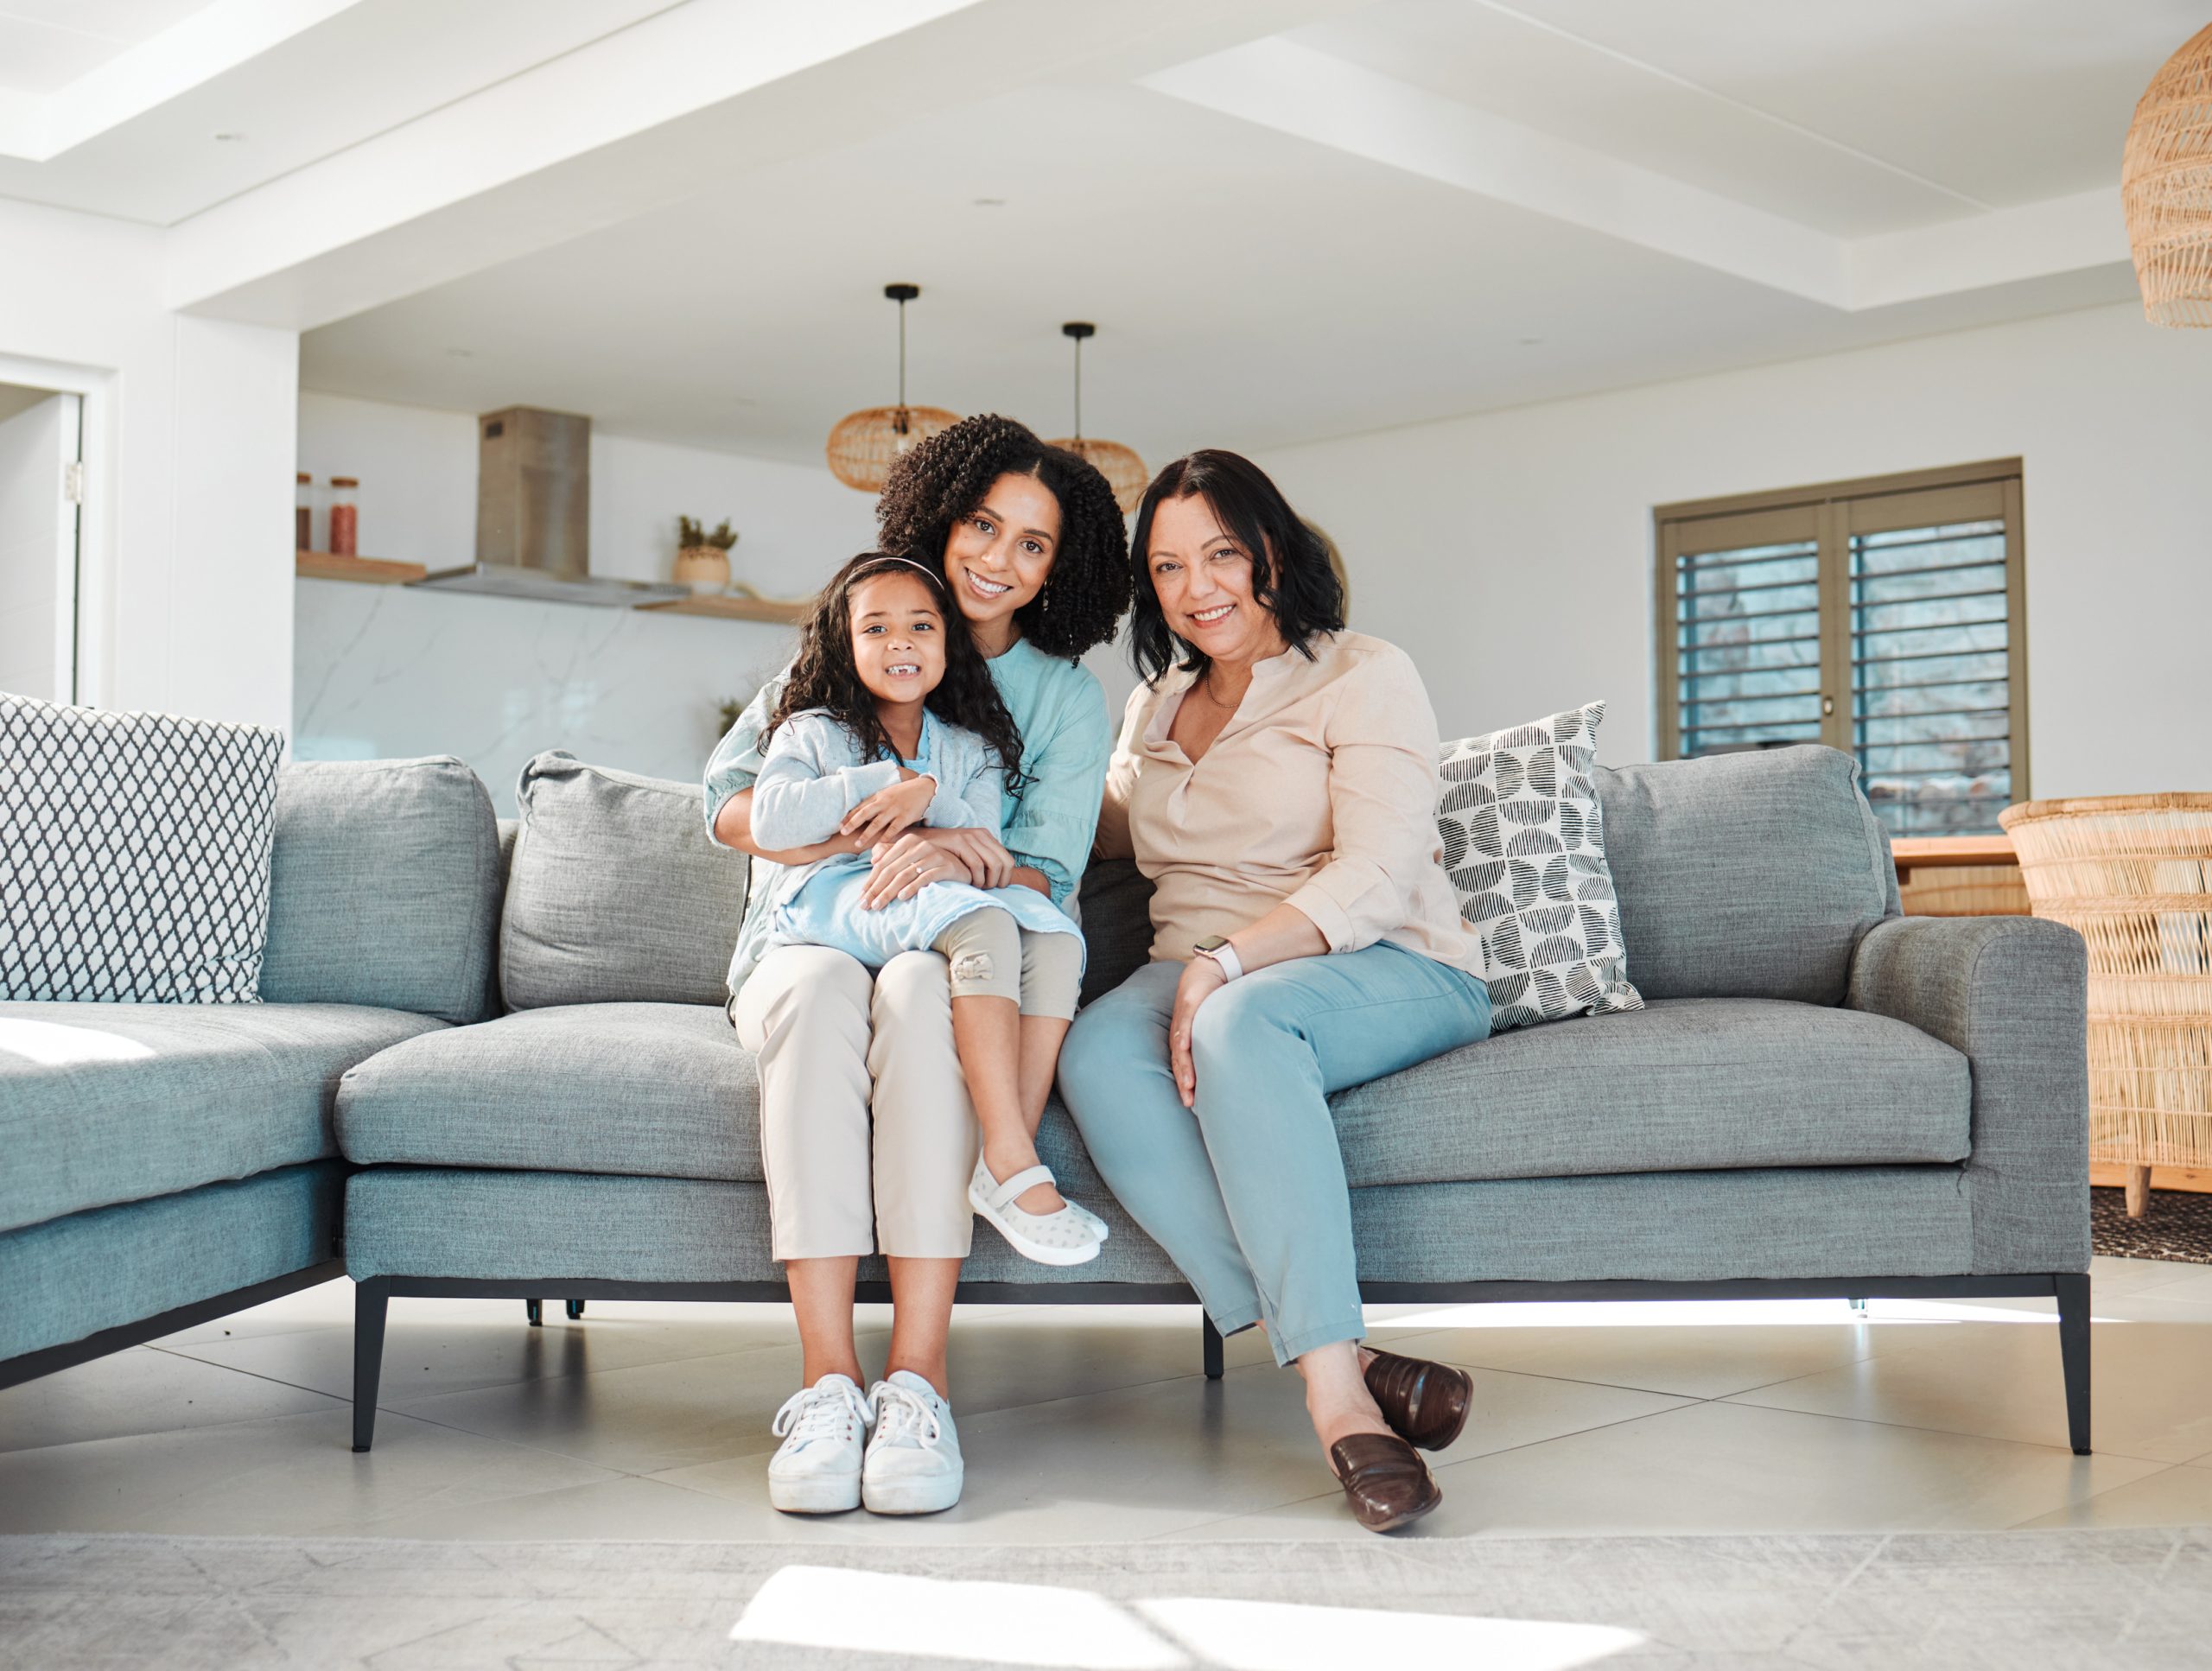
x,y
637,1421
140,1391
283,1476
2172,1279
1693,1349
2173,1496
2002,1380
1719,1467
1142,1460
434,1346
326,1306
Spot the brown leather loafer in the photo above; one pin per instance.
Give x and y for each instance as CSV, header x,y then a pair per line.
x,y
1425,1403
1387,1484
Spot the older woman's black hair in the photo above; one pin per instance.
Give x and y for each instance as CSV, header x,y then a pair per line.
x,y
945,479
1291,576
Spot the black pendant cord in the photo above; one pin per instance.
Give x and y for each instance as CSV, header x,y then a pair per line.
x,y
1075,330
902,352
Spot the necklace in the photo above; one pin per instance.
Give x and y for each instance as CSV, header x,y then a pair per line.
x,y
1206,686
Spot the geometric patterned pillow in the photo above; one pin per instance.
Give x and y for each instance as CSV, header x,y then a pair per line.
x,y
134,855
1525,842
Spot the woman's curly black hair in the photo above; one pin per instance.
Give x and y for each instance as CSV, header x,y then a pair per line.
x,y
1291,576
824,676
945,478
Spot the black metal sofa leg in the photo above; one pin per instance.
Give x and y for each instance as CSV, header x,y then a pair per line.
x,y
370,1300
1212,1345
2074,1356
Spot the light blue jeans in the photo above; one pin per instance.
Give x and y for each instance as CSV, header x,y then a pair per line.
x,y
1247,1192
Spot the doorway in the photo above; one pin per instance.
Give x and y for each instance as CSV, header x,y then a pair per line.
x,y
42,531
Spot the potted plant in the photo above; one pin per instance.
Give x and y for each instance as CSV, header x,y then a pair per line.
x,y
702,558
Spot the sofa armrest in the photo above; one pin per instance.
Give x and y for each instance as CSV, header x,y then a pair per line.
x,y
2010,994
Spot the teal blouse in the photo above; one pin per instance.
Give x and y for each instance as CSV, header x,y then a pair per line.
x,y
1066,739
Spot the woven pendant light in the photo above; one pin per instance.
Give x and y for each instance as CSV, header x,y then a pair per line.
x,y
1123,470
2165,183
865,444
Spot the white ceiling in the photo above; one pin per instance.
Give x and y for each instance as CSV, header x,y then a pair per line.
x,y
1289,218
45,44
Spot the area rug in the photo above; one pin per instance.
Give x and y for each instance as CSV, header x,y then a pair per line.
x,y
2134,1598
2177,1224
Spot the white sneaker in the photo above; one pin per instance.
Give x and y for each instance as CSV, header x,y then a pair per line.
x,y
913,1464
824,1428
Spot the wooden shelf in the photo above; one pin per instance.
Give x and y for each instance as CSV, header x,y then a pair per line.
x,y
1912,852
376,571
729,607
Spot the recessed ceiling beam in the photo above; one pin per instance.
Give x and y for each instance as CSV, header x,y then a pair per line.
x,y
1308,94
649,116
195,49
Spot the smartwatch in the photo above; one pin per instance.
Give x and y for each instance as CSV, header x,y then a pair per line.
x,y
1216,947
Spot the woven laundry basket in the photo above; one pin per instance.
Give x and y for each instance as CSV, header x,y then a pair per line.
x,y
2132,873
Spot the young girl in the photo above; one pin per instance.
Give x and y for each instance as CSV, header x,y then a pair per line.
x,y
891,720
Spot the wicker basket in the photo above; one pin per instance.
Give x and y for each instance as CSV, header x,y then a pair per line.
x,y
2132,873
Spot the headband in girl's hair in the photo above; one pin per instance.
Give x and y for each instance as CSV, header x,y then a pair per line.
x,y
923,570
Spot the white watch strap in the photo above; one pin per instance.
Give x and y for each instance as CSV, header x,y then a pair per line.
x,y
1226,955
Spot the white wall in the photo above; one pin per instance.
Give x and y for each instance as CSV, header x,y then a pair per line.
x,y
393,672
1511,553
190,422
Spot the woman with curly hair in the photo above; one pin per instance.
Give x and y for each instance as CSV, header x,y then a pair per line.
x,y
869,1136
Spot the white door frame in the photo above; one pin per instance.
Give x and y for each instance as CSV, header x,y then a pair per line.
x,y
94,602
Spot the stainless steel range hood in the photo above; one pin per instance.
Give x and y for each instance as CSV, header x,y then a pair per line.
x,y
533,517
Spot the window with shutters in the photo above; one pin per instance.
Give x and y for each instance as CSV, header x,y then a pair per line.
x,y
1884,617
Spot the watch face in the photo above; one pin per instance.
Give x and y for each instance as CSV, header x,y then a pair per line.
x,y
1212,943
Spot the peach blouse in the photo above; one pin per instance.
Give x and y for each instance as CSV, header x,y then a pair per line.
x,y
1320,792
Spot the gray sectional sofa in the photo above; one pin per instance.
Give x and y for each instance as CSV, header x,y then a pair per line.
x,y
165,1164
1821,1096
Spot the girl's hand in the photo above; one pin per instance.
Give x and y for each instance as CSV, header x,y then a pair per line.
x,y
887,811
907,864
1202,978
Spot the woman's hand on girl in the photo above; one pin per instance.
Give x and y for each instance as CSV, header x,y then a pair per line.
x,y
1202,978
887,811
907,864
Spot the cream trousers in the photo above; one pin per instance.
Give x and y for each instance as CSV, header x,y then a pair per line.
x,y
867,1138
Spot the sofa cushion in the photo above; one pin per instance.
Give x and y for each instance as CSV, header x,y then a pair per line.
x,y
384,887
1524,843
1746,875
615,895
652,1089
134,855
1682,1085
1116,900
108,1103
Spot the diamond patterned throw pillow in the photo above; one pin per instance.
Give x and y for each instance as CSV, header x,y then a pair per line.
x,y
1525,844
134,855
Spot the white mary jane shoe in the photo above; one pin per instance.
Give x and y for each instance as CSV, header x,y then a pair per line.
x,y
1066,1237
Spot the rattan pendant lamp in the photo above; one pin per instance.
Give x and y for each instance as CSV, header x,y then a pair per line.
x,y
1123,470
2165,185
865,444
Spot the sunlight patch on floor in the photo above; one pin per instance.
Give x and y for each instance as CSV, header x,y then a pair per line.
x,y
859,1612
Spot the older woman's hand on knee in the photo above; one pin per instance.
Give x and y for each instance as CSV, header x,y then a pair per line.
x,y
1202,978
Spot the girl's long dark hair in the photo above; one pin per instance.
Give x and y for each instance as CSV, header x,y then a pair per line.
x,y
1299,588
824,675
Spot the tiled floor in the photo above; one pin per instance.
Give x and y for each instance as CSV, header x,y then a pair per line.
x,y
1090,1425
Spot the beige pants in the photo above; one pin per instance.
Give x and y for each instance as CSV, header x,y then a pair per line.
x,y
835,1049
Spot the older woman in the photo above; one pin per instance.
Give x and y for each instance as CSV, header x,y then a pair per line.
x,y
1276,779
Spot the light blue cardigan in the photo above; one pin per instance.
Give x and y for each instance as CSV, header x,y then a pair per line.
x,y
1067,738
